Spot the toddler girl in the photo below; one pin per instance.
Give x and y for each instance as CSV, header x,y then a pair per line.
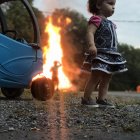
x,y
102,57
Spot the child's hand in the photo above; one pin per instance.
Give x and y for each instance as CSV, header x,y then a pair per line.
x,y
93,51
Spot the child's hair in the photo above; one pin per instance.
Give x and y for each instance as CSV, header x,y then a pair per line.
x,y
92,6
55,62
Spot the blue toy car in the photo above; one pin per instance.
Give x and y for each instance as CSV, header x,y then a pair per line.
x,y
21,60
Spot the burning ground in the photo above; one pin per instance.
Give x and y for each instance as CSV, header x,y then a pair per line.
x,y
64,118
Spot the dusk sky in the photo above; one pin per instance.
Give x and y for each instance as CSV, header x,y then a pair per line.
x,y
127,11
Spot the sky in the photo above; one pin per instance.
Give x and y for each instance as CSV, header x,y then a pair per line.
x,y
126,16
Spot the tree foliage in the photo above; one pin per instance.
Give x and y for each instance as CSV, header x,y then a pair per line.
x,y
130,79
77,34
73,35
18,19
74,42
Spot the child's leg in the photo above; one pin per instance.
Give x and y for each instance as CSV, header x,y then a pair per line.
x,y
92,84
57,85
104,85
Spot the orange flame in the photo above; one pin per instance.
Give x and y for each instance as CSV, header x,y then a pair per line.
x,y
53,52
68,20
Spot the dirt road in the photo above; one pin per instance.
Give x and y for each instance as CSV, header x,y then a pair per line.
x,y
64,118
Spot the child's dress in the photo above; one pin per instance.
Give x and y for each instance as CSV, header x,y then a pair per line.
x,y
108,59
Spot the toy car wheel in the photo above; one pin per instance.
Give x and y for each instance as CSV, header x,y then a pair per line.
x,y
12,93
42,89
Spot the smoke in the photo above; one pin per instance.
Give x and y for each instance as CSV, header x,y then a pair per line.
x,y
50,5
53,4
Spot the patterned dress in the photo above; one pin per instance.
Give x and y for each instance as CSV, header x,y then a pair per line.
x,y
108,59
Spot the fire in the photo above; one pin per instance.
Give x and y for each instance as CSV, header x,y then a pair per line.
x,y
68,20
53,52
41,75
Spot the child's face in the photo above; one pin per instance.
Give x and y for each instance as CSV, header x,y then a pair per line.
x,y
107,8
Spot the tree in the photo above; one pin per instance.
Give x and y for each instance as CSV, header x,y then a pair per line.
x,y
130,79
19,20
74,45
73,35
73,40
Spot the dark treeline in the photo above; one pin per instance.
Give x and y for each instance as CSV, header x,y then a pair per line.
x,y
130,79
77,32
75,35
18,19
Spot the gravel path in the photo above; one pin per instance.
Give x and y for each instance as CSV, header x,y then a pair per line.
x,y
64,118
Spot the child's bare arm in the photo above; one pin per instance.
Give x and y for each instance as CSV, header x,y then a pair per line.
x,y
58,64
90,38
